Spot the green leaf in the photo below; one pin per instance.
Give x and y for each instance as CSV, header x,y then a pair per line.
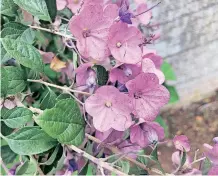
x,y
63,96
29,167
102,74
49,100
8,8
24,53
168,71
30,141
16,79
17,117
162,123
183,159
8,156
154,155
36,8
18,31
64,122
206,166
4,82
174,97
125,166
52,157
52,9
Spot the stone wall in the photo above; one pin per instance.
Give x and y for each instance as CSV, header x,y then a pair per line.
x,y
189,41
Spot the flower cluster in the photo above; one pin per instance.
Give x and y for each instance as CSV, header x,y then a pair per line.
x,y
108,34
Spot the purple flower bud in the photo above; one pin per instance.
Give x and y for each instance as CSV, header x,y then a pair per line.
x,y
124,14
215,140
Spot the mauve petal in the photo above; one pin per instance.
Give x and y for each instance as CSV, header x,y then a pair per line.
x,y
114,116
181,142
176,159
153,95
129,38
211,152
91,19
149,67
146,133
213,170
130,149
61,4
146,17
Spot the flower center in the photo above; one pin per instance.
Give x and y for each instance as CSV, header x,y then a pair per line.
x,y
86,32
138,95
108,104
76,1
118,44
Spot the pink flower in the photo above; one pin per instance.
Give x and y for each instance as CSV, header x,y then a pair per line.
x,y
213,171
158,60
147,95
74,5
109,109
115,138
124,41
211,152
143,18
148,66
91,28
61,4
86,77
176,159
181,143
124,73
146,133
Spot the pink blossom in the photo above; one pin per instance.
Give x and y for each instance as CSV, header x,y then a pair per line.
x,y
124,73
213,171
74,5
148,66
146,133
211,152
115,138
126,147
61,4
143,18
110,137
181,143
176,159
91,28
109,109
158,60
86,77
147,95
124,41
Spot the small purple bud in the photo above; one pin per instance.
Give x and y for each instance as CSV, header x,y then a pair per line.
x,y
72,165
215,140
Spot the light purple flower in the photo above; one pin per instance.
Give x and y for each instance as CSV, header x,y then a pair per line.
x,y
146,133
211,152
181,142
147,95
213,171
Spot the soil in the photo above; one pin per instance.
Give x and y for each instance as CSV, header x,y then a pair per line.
x,y
198,121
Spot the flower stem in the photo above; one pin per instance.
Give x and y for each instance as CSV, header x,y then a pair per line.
x,y
58,87
116,151
4,167
95,160
147,9
53,32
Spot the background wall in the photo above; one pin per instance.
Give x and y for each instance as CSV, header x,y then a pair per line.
x,y
189,41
